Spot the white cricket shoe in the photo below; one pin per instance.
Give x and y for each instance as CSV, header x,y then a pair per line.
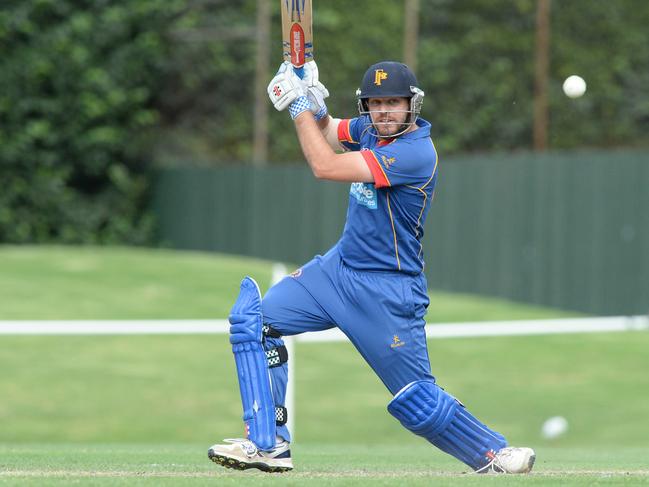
x,y
241,454
510,460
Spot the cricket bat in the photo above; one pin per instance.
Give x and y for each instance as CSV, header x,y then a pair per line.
x,y
297,33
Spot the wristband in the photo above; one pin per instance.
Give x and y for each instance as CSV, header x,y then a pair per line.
x,y
301,104
322,113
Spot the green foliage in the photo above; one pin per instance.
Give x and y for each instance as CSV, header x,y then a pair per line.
x,y
476,61
92,94
476,65
607,44
77,89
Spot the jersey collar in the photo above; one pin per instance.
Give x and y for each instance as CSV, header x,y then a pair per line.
x,y
423,130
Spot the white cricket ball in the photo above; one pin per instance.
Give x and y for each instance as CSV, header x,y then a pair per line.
x,y
574,86
554,427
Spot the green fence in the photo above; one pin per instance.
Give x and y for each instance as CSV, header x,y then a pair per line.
x,y
569,230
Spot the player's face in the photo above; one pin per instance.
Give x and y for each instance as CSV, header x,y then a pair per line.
x,y
389,115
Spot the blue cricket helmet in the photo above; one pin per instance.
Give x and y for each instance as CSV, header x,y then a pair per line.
x,y
387,78
390,79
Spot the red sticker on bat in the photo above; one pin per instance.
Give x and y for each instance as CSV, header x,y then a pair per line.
x,y
297,46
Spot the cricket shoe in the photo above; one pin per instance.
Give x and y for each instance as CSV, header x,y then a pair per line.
x,y
241,454
510,460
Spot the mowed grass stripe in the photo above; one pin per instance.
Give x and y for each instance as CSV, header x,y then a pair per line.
x,y
56,282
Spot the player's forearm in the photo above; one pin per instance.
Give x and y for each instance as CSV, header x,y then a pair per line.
x,y
323,123
316,149
329,128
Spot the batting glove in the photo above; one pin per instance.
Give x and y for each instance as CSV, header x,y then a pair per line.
x,y
316,101
310,73
317,92
286,87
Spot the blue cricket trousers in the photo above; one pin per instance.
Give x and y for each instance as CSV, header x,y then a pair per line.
x,y
382,314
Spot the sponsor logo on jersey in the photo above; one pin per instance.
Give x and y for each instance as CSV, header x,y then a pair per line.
x,y
296,273
365,194
379,76
396,342
387,161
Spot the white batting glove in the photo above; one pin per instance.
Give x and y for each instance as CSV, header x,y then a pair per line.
x,y
317,104
317,92
285,87
310,74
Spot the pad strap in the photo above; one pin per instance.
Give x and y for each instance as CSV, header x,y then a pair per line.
x,y
427,410
271,332
277,356
281,415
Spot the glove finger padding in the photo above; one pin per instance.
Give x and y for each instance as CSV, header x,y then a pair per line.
x,y
311,78
317,91
310,74
322,89
316,96
285,87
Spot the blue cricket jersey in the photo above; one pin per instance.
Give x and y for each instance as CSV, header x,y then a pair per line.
x,y
385,219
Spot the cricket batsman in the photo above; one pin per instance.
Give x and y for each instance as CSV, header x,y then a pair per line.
x,y
370,284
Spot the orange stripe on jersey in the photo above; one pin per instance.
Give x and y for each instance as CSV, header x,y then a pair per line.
x,y
380,178
344,134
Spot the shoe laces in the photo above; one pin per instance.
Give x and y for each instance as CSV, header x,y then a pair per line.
x,y
494,465
246,445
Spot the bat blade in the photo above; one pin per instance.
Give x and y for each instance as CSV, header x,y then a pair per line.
x,y
297,33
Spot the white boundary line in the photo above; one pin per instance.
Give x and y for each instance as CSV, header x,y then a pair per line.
x,y
440,330
114,327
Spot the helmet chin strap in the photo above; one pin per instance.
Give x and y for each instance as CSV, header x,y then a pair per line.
x,y
404,126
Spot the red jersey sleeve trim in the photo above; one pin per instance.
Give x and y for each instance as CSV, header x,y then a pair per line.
x,y
344,134
380,178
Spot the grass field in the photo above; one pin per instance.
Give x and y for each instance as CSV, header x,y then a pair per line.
x,y
142,410
125,283
329,465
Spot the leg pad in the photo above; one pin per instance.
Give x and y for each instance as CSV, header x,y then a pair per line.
x,y
428,411
252,366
